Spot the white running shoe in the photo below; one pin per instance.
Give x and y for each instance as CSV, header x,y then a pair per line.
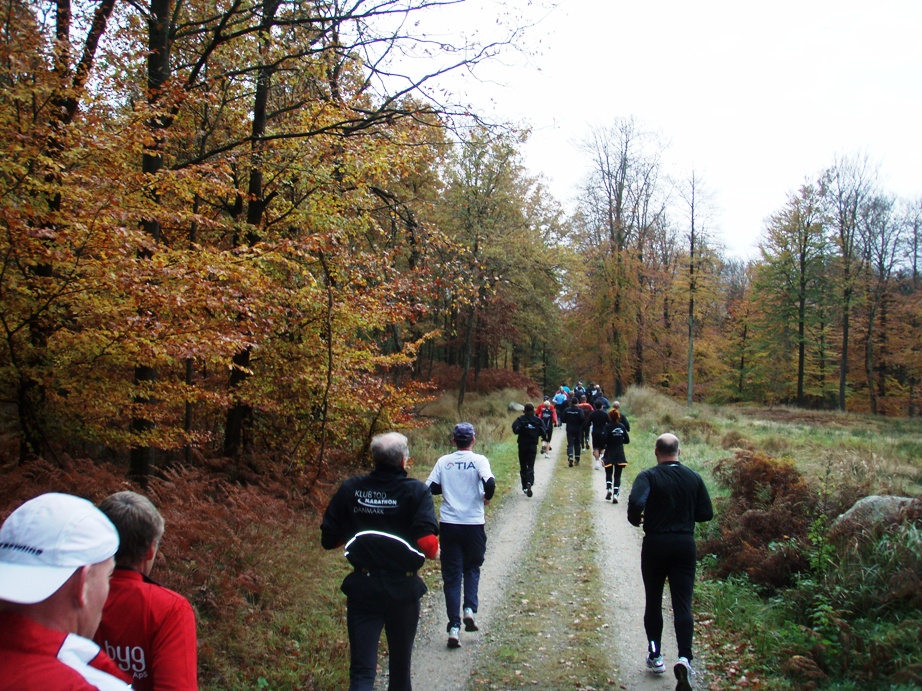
x,y
683,673
655,663
469,623
454,637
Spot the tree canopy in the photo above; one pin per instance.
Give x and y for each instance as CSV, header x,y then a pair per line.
x,y
248,229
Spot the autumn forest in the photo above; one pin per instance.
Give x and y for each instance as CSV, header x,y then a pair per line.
x,y
236,228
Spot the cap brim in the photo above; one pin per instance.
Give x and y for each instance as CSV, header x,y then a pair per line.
x,y
28,584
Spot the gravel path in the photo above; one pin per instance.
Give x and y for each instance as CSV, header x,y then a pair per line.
x,y
619,561
435,666
438,668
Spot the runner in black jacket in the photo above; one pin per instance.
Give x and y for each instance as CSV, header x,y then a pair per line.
x,y
387,522
530,430
669,499
598,421
614,460
574,419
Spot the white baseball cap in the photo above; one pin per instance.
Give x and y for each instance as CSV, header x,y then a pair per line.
x,y
44,541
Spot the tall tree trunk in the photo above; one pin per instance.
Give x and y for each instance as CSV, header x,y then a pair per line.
x,y
639,350
618,343
742,371
802,323
142,455
843,364
869,366
691,318
883,355
241,413
822,359
691,349
466,357
189,417
801,358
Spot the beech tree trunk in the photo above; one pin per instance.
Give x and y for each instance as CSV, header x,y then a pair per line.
x,y
142,455
241,412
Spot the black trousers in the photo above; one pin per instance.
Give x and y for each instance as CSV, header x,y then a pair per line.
x,y
669,556
574,443
527,454
364,621
613,474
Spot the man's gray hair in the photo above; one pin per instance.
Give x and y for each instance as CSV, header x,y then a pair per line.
x,y
390,448
138,522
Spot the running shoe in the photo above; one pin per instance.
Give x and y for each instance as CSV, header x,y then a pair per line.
x,y
469,623
683,673
655,663
454,637
608,495
528,493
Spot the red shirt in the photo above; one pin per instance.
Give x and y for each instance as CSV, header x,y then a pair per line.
x,y
29,661
547,404
149,631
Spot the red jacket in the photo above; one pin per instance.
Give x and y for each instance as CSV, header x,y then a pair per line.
x,y
35,658
547,404
149,631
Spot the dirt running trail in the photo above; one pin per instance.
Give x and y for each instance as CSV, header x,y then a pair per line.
x,y
439,668
619,562
436,667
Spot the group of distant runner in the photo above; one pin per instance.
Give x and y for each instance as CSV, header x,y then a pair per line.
x,y
590,421
667,499
386,521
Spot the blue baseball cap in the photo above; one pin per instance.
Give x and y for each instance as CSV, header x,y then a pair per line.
x,y
463,432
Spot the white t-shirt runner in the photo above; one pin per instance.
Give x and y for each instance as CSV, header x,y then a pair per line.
x,y
461,475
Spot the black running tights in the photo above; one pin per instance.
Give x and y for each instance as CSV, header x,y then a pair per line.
x,y
669,556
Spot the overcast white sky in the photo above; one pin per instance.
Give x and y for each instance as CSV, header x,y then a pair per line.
x,y
755,97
